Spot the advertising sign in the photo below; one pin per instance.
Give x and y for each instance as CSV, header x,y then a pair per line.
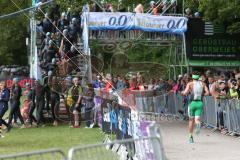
x,y
133,21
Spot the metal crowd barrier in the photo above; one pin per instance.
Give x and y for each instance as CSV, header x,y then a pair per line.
x,y
210,112
50,154
126,149
224,113
232,119
142,148
132,35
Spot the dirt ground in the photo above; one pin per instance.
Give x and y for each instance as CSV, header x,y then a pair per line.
x,y
208,145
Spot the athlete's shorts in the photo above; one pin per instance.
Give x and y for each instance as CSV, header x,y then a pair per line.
x,y
195,109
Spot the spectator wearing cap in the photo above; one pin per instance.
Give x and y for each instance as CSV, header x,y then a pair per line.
x,y
154,9
62,22
16,93
197,15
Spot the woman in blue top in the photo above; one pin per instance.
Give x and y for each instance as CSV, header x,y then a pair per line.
x,y
4,98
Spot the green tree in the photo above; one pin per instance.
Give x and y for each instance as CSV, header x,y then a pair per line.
x,y
222,12
13,32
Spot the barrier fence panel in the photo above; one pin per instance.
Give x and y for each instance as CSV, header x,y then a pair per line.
x,y
210,112
233,116
204,115
125,149
171,104
159,103
144,101
50,154
179,106
222,115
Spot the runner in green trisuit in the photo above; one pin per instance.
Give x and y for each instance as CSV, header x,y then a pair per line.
x,y
196,89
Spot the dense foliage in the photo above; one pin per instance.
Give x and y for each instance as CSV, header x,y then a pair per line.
x,y
13,32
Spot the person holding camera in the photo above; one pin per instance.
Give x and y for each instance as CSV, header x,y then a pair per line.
x,y
234,89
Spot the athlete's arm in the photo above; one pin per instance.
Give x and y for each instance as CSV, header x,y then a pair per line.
x,y
187,90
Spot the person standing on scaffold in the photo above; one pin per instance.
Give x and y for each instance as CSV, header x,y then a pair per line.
x,y
196,89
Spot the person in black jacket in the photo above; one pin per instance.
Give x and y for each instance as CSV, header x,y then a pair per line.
x,y
4,98
16,93
31,104
55,99
89,104
40,101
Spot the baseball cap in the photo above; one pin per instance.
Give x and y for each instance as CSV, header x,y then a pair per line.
x,y
152,2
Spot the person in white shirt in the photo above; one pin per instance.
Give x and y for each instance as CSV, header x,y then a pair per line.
x,y
139,8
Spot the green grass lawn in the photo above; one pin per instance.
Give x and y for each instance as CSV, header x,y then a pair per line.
x,y
62,137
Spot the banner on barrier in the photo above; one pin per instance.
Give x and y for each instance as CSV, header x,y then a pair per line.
x,y
116,119
124,119
131,21
109,116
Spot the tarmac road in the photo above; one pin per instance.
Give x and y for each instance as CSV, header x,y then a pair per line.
x,y
208,145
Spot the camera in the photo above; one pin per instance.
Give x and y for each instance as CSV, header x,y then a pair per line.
x,y
234,83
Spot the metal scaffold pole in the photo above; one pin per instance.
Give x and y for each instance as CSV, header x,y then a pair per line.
x,y
33,41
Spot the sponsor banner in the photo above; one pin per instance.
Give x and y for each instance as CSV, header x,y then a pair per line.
x,y
111,21
98,113
215,49
116,119
133,21
201,63
124,123
109,116
144,149
154,23
22,82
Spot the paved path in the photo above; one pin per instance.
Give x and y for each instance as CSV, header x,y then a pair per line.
x,y
207,146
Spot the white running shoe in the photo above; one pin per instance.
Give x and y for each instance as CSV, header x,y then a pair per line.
x,y
92,125
2,136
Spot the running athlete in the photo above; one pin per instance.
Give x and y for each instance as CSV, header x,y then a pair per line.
x,y
196,89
